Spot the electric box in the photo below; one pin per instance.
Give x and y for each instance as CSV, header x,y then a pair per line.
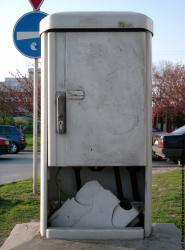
x,y
96,115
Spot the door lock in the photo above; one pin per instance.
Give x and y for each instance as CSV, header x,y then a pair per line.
x,y
61,113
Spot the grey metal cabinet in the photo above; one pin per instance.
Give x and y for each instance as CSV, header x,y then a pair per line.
x,y
96,100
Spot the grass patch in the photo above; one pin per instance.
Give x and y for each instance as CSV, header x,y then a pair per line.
x,y
17,205
166,197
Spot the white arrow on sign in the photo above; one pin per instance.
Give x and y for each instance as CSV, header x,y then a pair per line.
x,y
27,35
33,46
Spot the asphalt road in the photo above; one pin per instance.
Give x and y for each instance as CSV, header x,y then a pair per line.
x,y
19,166
15,167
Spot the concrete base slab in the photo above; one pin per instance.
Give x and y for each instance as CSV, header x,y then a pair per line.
x,y
26,236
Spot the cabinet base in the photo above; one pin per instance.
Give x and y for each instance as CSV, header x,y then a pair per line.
x,y
94,234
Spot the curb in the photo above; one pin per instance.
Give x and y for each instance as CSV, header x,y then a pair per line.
x,y
29,151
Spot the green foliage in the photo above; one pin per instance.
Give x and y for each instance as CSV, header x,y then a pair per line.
x,y
29,129
21,121
6,120
29,141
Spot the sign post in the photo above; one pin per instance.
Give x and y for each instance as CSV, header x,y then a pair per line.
x,y
27,40
35,127
36,6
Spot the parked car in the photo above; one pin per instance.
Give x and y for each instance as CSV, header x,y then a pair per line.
x,y
17,138
5,146
171,145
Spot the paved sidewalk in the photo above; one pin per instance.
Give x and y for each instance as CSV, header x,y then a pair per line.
x,y
26,237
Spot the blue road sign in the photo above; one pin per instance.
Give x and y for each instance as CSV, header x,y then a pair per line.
x,y
26,34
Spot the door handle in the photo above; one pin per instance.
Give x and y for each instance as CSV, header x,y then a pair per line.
x,y
75,94
61,113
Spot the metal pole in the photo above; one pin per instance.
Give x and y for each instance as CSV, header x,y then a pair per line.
x,y
35,127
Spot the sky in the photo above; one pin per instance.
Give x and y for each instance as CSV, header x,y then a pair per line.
x,y
168,17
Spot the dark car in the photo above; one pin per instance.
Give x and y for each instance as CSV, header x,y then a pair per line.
x,y
18,139
5,146
171,145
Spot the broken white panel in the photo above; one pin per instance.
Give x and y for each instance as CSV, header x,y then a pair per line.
x,y
122,217
93,207
100,216
69,214
88,192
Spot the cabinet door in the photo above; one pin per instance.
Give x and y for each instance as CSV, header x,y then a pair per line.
x,y
102,75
